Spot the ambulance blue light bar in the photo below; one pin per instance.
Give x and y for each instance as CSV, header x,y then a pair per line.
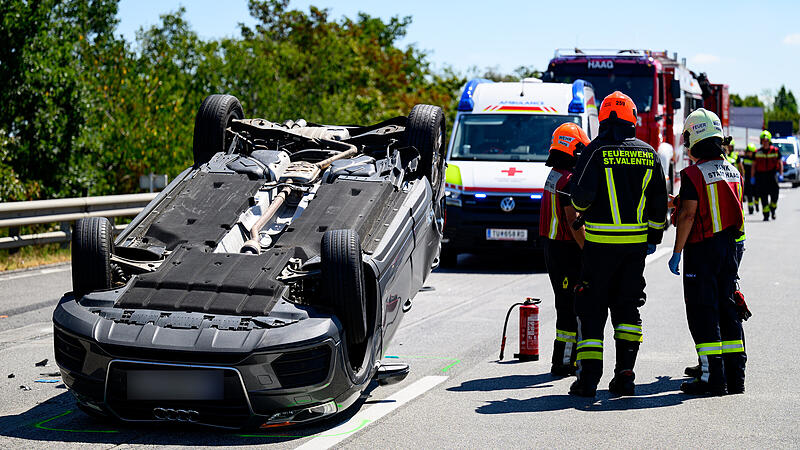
x,y
578,103
467,103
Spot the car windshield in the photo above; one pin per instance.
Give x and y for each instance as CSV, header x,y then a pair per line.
x,y
786,148
630,79
506,137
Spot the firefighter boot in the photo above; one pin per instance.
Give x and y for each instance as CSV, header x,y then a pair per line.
x,y
757,205
750,208
622,383
766,216
697,387
734,371
711,380
772,208
563,362
589,373
693,371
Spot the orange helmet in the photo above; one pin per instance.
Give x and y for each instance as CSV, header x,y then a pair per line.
x,y
567,137
620,106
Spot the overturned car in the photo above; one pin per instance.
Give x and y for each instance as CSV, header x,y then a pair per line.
x,y
261,287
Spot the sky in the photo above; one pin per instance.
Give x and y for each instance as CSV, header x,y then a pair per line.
x,y
751,46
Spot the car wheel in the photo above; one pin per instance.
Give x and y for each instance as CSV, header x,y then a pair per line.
x,y
448,258
425,131
343,281
92,246
212,119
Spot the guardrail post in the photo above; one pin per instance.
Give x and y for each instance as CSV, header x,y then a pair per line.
x,y
13,231
66,227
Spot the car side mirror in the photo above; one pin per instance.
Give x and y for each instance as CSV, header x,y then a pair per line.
x,y
675,89
676,104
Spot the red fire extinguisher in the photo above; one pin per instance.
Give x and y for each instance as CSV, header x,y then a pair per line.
x,y
528,330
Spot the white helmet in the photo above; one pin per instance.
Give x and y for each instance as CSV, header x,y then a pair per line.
x,y
701,124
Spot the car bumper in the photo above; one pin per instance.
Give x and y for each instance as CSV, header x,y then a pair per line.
x,y
282,384
465,229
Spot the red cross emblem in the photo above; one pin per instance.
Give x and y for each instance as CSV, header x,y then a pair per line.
x,y
511,171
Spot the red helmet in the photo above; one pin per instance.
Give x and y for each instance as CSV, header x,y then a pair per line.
x,y
619,106
567,137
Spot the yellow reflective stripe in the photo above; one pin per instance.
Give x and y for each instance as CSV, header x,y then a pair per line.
x,y
733,346
578,208
565,336
616,228
624,336
640,209
713,203
709,348
606,239
656,225
629,328
590,343
589,355
553,217
612,195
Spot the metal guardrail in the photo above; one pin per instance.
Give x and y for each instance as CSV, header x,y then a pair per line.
x,y
15,214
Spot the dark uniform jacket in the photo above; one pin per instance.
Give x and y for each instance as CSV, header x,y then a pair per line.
x,y
619,187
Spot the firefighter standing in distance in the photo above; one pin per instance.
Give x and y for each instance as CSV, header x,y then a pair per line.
x,y
562,242
709,221
621,192
750,194
766,164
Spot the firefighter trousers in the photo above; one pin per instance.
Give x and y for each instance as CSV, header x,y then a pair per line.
x,y
768,189
750,195
709,281
611,279
563,260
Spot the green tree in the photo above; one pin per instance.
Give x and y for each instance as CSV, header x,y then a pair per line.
x,y
784,108
750,100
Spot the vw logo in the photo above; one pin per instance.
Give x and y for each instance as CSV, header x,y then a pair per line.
x,y
507,204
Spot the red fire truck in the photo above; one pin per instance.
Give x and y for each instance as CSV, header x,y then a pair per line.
x,y
664,90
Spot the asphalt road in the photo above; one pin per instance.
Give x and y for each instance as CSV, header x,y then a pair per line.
x,y
458,395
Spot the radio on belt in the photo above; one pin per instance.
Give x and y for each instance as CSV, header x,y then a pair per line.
x,y
528,330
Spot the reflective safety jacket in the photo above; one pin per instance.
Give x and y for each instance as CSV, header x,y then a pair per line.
x,y
767,160
620,189
552,220
747,161
719,192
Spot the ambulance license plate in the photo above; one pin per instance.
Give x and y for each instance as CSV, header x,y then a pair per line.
x,y
499,234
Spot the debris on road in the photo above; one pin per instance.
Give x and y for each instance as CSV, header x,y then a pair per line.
x,y
4,316
11,375
41,363
46,380
24,388
50,374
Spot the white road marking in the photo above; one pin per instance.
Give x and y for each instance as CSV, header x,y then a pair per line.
x,y
658,254
35,273
373,413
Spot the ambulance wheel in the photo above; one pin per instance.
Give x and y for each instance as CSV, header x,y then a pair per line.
x,y
343,282
212,119
425,131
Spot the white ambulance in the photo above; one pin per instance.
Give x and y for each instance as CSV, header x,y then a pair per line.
x,y
496,171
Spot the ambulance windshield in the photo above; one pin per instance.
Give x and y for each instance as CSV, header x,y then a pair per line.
x,y
506,137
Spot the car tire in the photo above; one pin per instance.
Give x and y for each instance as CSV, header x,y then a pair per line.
x,y
212,119
343,282
425,131
92,246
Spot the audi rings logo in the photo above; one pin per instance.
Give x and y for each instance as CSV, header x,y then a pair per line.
x,y
176,415
507,204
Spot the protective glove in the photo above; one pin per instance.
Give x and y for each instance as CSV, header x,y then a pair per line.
x,y
673,263
651,248
741,306
752,180
780,177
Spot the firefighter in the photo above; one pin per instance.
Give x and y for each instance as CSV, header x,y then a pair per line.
x,y
766,172
732,156
749,188
562,242
621,193
710,220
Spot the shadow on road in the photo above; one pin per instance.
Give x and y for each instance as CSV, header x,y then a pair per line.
x,y
59,420
660,393
500,262
504,383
